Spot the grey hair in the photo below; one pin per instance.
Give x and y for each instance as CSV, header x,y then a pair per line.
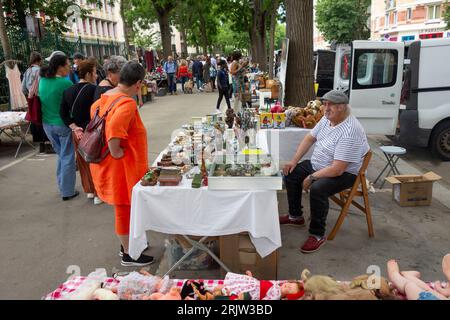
x,y
348,110
114,64
131,73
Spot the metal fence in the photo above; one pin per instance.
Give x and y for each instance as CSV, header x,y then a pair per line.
x,y
22,45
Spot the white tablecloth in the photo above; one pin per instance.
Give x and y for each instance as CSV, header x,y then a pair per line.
x,y
283,143
203,212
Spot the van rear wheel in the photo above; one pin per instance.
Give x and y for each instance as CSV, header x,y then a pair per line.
x,y
440,141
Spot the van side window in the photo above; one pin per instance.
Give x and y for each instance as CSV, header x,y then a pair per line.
x,y
375,68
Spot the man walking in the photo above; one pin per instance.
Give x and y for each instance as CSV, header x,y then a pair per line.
x,y
171,68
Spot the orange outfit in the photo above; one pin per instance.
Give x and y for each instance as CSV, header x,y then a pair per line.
x,y
114,179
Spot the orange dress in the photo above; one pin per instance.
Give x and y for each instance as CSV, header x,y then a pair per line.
x,y
114,179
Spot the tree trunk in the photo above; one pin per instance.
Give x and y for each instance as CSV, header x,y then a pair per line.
x,y
259,32
166,33
184,46
273,24
4,36
124,6
299,75
204,35
253,51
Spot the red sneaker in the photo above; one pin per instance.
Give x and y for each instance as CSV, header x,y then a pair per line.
x,y
312,244
288,221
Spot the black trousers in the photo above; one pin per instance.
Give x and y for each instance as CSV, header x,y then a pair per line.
x,y
319,193
223,93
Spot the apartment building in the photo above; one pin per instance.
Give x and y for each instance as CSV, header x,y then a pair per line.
x,y
405,20
101,32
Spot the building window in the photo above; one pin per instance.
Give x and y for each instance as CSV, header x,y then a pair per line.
x,y
434,12
408,14
391,4
395,18
386,20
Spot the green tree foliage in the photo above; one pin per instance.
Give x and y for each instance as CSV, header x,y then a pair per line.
x,y
343,20
54,11
447,14
229,40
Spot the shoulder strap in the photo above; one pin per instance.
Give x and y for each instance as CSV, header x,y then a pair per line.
x,y
74,101
112,105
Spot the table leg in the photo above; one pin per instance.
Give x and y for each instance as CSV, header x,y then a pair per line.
x,y
197,245
23,137
202,247
180,261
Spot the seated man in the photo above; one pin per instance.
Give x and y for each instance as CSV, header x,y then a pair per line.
x,y
341,145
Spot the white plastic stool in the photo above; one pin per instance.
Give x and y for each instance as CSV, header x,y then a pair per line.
x,y
392,154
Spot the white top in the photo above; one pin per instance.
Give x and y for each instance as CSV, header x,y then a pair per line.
x,y
345,142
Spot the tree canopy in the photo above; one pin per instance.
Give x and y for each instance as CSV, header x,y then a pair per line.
x,y
343,20
447,14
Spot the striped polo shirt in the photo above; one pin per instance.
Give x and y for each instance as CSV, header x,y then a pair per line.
x,y
345,142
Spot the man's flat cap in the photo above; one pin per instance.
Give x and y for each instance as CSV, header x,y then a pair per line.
x,y
336,96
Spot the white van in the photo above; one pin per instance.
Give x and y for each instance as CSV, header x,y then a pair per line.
x,y
381,82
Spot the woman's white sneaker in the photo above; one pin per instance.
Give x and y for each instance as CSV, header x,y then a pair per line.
x,y
90,195
97,200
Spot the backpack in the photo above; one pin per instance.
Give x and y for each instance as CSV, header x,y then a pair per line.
x,y
93,147
212,72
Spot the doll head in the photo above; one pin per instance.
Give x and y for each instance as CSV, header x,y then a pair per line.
x,y
292,290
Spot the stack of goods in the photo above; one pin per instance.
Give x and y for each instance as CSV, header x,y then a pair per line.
x,y
166,161
170,177
306,117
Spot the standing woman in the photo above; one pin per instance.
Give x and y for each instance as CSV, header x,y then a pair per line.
x,y
52,84
206,74
112,68
29,77
237,70
183,73
76,114
127,162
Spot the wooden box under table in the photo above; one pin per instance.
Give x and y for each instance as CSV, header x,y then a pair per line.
x,y
239,255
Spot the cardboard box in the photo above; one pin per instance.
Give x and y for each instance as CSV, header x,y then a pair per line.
x,y
239,254
266,120
413,190
279,120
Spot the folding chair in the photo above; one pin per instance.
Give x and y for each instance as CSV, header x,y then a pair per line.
x,y
346,199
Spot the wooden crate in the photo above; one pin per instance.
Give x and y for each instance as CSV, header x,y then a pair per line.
x,y
239,254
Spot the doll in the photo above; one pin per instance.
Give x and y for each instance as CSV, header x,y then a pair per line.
x,y
173,294
325,288
409,283
262,290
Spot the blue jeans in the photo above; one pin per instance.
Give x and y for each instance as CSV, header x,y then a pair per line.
x,y
199,82
61,139
171,82
183,81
